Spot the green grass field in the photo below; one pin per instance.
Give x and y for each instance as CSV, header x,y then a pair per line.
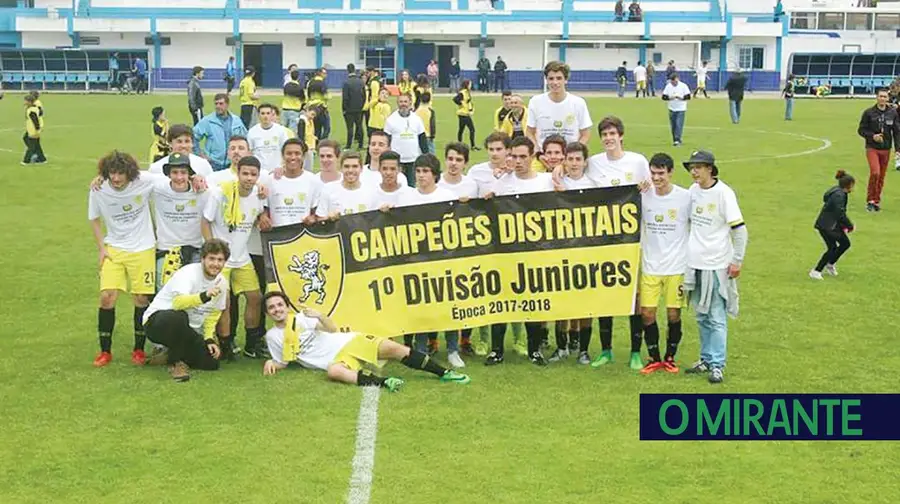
x,y
562,434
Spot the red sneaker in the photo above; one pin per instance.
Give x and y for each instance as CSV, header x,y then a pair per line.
x,y
669,365
138,357
652,366
102,359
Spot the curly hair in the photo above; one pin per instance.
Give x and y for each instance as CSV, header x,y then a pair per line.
x,y
118,162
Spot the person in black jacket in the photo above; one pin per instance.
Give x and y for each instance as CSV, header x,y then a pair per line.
x,y
735,87
880,126
833,225
353,100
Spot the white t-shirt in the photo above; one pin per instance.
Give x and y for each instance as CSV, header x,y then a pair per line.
x,y
188,281
640,73
680,91
318,349
177,216
370,177
415,197
584,182
714,212
229,175
338,180
566,118
665,232
630,169
512,184
390,198
701,75
239,239
198,164
404,132
265,144
292,199
337,198
465,188
483,175
126,213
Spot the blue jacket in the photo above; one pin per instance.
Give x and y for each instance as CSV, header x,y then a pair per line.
x,y
229,69
213,129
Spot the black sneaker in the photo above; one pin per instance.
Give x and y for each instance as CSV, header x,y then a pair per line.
x,y
559,354
545,343
573,346
870,207
877,206
258,351
493,359
699,367
537,358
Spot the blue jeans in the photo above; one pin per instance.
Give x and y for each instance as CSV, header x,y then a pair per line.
x,y
713,328
454,84
676,124
620,89
788,109
735,111
452,341
290,119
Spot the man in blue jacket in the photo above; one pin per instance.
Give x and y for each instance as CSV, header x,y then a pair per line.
x,y
217,128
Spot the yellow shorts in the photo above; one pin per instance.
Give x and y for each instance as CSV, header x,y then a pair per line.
x,y
670,286
701,85
241,279
641,85
133,272
360,351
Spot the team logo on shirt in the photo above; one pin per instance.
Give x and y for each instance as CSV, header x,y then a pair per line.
x,y
570,119
288,201
673,213
711,207
138,199
659,217
127,208
309,269
699,210
615,182
192,202
557,124
179,208
629,177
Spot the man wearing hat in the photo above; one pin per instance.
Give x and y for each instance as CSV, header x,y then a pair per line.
x,y
716,247
677,93
248,96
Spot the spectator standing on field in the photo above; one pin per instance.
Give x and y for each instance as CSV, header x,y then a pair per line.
x,y
292,102
640,80
248,96
670,69
195,95
621,79
217,129
833,225
454,77
735,87
677,94
291,68
432,72
651,85
788,94
880,126
353,100
140,70
114,71
484,71
499,76
230,75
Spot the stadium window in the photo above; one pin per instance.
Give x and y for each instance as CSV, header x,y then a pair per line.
x,y
840,64
859,21
884,64
800,64
863,64
11,60
819,64
831,20
803,20
751,57
887,22
371,43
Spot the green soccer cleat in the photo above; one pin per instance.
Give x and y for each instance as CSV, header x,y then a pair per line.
x,y
636,363
393,384
453,376
481,348
604,358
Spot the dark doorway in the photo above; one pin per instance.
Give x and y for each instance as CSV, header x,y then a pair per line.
x,y
445,52
267,60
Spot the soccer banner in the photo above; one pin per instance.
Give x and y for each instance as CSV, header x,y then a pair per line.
x,y
536,257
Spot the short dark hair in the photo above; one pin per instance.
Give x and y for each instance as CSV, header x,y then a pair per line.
x,y
389,156
520,141
425,98
554,139
611,122
221,96
507,93
295,141
336,147
351,68
295,74
380,133
662,160
350,154
577,147
556,66
430,161
179,130
215,246
268,106
196,70
882,90
118,162
459,147
497,136
239,138
249,161
275,294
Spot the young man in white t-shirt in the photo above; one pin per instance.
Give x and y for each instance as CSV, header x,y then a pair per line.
x,y
181,141
390,190
407,134
640,80
328,151
231,214
666,213
523,180
453,178
702,72
486,174
677,94
184,314
294,196
127,252
379,143
349,196
311,339
558,112
716,247
267,137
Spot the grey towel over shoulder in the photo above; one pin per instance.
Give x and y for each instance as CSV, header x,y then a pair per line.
x,y
702,282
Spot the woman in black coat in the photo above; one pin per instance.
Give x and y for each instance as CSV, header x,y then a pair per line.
x,y
833,225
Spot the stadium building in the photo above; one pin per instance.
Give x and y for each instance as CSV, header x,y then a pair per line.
x,y
67,44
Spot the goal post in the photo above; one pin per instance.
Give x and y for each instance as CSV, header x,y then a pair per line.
x,y
594,62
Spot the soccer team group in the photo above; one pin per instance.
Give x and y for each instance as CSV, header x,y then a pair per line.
x,y
184,241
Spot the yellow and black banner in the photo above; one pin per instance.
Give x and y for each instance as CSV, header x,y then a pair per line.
x,y
535,257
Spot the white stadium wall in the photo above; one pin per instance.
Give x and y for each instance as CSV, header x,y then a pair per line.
x,y
207,50
45,40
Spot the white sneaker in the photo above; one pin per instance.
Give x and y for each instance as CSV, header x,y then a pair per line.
x,y
455,360
815,275
830,269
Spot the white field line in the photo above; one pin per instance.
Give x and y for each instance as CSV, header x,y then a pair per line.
x,y
364,459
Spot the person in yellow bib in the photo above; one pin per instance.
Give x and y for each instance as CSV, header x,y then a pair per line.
x,y
464,110
425,111
379,113
515,121
248,96
306,131
373,91
406,85
292,103
313,341
160,147
34,126
317,96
